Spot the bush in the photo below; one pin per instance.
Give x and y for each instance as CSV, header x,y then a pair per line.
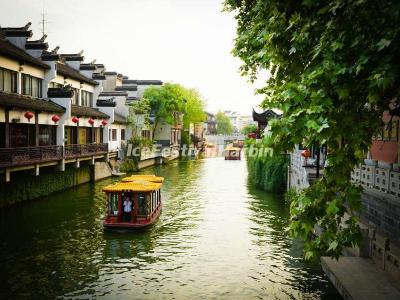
x,y
128,165
268,173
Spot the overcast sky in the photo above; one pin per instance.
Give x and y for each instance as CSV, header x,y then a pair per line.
x,y
184,41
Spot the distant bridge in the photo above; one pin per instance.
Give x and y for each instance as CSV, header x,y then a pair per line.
x,y
222,139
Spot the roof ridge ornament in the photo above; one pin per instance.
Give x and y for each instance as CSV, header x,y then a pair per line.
x,y
43,38
55,50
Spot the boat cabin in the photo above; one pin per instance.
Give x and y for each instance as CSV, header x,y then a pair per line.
x,y
133,203
232,153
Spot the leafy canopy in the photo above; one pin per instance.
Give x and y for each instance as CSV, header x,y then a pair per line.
x,y
249,129
334,68
223,123
173,97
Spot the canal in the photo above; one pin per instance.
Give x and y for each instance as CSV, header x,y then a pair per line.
x,y
217,237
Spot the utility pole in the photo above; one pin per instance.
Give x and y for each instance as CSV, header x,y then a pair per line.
x,y
43,23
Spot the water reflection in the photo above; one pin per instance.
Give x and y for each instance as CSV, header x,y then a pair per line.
x,y
217,237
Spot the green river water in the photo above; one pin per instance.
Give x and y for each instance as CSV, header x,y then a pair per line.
x,y
217,238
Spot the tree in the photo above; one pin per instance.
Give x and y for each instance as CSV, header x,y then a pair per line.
x,y
334,69
165,100
139,115
173,97
195,108
223,123
249,129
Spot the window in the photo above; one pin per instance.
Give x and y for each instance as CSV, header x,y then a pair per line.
x,y
75,97
31,86
47,135
114,134
2,135
142,208
22,135
113,204
71,135
54,85
122,134
8,81
82,135
146,134
86,98
388,132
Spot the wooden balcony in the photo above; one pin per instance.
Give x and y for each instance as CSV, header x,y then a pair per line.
x,y
12,157
72,151
29,155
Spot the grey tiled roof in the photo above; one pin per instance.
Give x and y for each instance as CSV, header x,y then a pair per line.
x,y
85,111
31,103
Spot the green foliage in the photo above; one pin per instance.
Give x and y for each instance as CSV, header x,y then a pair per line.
x,y
249,129
186,140
140,142
334,70
141,107
165,100
172,97
268,172
195,107
224,125
129,165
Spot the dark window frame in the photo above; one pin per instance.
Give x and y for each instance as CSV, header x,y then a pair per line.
x,y
30,80
86,98
114,134
14,80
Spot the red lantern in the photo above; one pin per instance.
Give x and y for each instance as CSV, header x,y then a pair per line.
x,y
104,122
306,153
55,118
75,120
91,121
28,115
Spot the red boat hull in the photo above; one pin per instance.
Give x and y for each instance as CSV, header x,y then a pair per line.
x,y
140,222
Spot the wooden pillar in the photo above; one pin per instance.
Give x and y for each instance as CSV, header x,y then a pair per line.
x,y
135,197
7,127
93,135
120,208
36,128
77,133
318,159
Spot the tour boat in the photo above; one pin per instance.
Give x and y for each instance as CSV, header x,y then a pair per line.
x,y
232,153
134,202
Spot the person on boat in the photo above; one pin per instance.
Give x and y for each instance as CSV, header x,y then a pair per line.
x,y
126,216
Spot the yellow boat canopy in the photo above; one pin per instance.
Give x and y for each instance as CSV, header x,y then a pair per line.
x,y
139,185
231,148
148,177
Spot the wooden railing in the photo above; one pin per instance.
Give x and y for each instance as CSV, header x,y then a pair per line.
x,y
30,155
84,150
27,155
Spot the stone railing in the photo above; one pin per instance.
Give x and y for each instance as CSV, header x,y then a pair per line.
x,y
298,176
379,176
